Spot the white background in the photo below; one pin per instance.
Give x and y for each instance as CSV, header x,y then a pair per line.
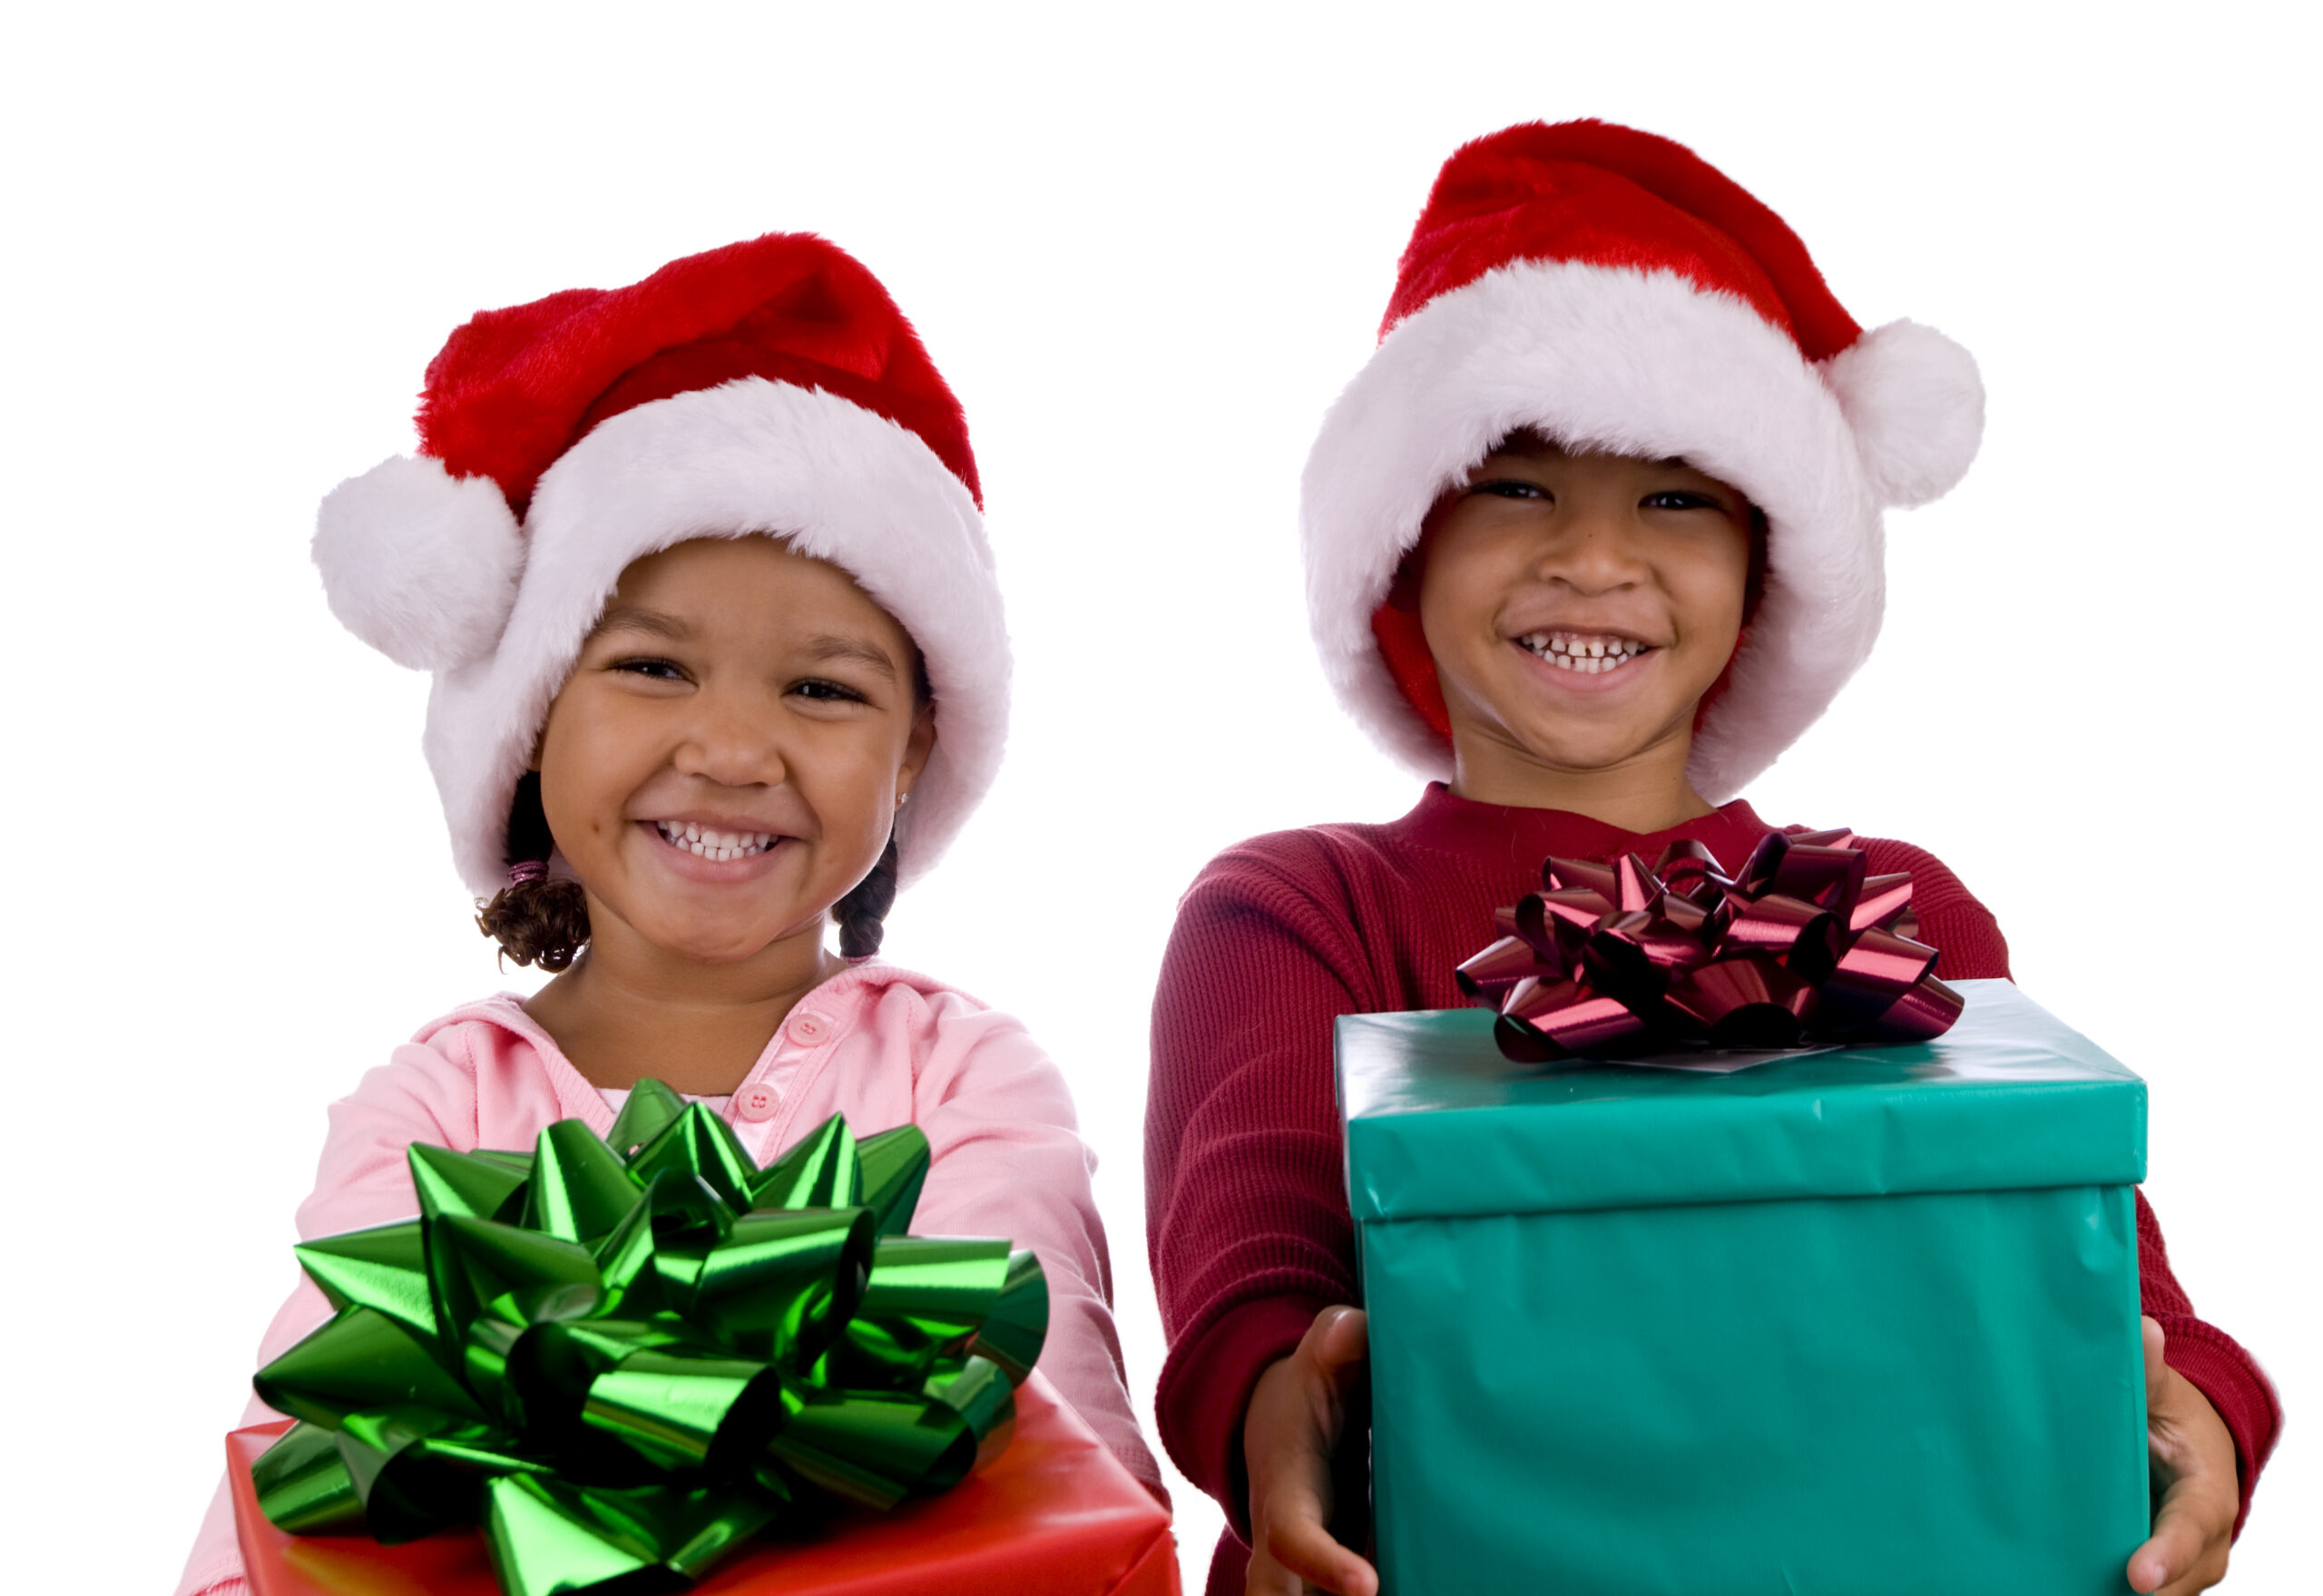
x,y
1146,250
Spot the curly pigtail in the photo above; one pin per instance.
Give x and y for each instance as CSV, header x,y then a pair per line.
x,y
535,920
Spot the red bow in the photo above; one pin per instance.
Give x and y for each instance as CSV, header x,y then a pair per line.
x,y
1804,946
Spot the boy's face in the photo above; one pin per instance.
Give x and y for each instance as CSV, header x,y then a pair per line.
x,y
1578,606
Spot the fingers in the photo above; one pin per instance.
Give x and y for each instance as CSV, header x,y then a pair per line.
x,y
2192,1458
1292,1541
1296,1545
2170,1551
2188,1549
1289,1433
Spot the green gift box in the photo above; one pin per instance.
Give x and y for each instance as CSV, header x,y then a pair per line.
x,y
1850,1321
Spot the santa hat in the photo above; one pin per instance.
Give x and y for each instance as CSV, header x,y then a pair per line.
x,y
1613,292
769,386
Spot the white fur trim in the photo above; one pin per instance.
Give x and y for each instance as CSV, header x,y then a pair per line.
x,y
1619,359
840,483
1918,407
418,563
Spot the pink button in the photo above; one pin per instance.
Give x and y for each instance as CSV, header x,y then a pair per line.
x,y
757,1102
809,1028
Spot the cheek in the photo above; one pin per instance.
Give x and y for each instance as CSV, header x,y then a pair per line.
x,y
1713,587
583,764
1459,595
849,778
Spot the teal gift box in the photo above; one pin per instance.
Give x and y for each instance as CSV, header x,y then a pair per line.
x,y
1862,1320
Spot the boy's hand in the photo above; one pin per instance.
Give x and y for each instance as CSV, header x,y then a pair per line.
x,y
2193,1466
1297,1411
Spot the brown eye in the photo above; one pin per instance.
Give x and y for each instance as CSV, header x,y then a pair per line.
x,y
1510,488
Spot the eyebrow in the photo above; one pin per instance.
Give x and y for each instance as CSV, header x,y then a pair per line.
x,y
1528,444
825,648
832,646
635,617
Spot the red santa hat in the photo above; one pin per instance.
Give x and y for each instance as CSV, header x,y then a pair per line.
x,y
769,386
1611,291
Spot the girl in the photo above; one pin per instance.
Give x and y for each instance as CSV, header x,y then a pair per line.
x,y
719,655
1593,536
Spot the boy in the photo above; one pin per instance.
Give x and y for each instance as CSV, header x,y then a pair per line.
x,y
1592,537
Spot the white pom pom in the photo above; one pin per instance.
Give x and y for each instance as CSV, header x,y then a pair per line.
x,y
1917,408
420,565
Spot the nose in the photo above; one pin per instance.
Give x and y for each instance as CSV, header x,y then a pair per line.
x,y
1594,549
733,737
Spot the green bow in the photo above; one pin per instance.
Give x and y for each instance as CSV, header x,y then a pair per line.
x,y
626,1357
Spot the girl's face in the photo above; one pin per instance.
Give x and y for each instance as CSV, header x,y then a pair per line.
x,y
725,761
1578,606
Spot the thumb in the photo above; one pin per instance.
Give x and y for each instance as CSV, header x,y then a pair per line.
x,y
1343,1339
2157,1372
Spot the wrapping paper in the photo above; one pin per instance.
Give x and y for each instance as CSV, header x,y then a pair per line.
x,y
1055,1515
1858,1320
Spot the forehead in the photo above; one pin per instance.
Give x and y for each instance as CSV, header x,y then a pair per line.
x,y
754,584
1526,444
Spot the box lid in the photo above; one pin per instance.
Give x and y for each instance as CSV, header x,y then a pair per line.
x,y
1439,1124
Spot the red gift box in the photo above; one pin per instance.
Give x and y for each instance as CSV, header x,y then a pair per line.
x,y
1055,1516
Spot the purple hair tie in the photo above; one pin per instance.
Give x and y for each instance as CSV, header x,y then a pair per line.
x,y
524,870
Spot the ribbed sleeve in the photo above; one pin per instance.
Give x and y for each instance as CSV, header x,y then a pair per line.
x,y
1246,1223
2210,1358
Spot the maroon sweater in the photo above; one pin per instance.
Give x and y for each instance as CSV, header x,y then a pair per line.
x,y
1247,1221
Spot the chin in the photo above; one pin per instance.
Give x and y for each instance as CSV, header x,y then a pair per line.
x,y
700,944
1580,756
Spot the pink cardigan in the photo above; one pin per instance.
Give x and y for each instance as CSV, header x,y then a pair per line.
x,y
878,1045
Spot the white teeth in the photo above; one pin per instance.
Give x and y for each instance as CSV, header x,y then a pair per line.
x,y
1592,656
713,844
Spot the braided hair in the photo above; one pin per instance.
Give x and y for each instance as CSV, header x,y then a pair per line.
x,y
862,913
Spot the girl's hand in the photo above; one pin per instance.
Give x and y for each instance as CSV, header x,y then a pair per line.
x,y
1297,1411
2194,1465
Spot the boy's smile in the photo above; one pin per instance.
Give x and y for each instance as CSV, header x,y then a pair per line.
x,y
1577,607
1591,653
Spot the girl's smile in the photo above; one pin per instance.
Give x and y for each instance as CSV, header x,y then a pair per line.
x,y
721,850
725,761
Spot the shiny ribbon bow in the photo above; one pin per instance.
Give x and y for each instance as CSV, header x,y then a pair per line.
x,y
1803,947
626,1362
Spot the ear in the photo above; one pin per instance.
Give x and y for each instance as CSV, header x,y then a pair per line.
x,y
917,747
